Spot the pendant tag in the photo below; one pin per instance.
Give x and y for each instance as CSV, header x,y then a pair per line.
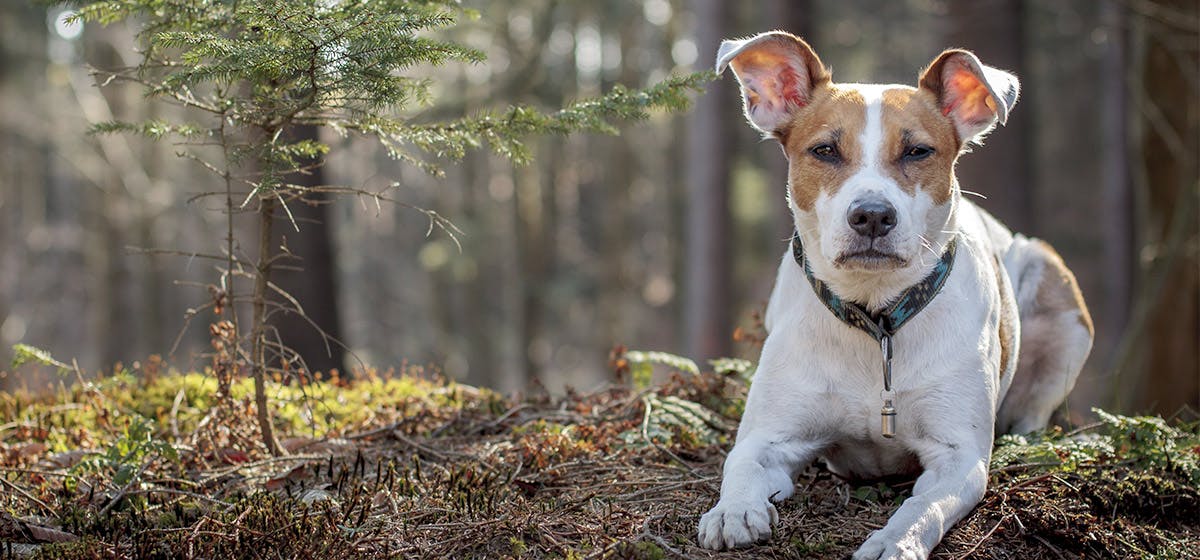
x,y
887,417
887,414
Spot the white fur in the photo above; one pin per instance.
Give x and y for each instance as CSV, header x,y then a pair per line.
x,y
817,390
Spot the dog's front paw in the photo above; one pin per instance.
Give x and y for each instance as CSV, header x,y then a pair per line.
x,y
734,524
883,546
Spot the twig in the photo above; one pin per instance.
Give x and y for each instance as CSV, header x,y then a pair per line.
x,y
175,253
161,490
35,471
374,432
27,495
124,491
1057,551
263,462
175,413
1022,466
627,498
1082,429
982,539
661,542
426,450
500,419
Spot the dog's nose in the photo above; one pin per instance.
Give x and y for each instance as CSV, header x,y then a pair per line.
x,y
872,218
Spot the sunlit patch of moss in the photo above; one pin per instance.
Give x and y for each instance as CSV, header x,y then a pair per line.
x,y
539,427
90,415
331,407
156,399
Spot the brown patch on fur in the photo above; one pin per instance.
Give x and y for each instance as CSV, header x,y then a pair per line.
x,y
911,117
1008,316
833,116
1058,291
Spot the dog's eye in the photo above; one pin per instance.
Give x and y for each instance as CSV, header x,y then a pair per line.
x,y
917,153
825,152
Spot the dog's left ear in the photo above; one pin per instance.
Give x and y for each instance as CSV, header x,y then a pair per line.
x,y
777,71
975,97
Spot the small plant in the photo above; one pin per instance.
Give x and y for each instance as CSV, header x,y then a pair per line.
x,y
25,354
640,365
742,368
1144,442
128,455
668,419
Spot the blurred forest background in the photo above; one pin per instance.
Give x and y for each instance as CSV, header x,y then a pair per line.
x,y
664,238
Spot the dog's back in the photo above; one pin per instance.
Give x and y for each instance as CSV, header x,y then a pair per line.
x,y
1053,333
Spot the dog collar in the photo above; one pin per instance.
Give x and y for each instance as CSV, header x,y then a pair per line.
x,y
882,326
886,322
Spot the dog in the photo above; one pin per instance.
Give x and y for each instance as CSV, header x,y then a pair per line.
x,y
907,326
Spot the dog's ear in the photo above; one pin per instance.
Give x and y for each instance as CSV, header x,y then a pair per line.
x,y
777,71
975,97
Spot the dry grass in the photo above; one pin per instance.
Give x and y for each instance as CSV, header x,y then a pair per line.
x,y
448,471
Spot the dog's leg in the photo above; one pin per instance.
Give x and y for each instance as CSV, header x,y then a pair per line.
x,y
953,482
1056,336
759,470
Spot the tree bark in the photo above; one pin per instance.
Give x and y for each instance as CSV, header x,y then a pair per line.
x,y
708,270
994,31
258,333
312,279
1170,284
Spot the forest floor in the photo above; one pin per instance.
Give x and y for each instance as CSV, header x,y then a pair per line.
x,y
147,463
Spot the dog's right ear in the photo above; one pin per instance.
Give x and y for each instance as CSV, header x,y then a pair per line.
x,y
778,72
974,96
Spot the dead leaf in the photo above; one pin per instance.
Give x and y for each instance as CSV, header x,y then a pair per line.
x,y
33,449
13,529
49,535
231,456
297,473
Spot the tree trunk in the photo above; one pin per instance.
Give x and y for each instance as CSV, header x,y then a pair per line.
x,y
258,333
312,279
1170,290
707,270
993,30
535,232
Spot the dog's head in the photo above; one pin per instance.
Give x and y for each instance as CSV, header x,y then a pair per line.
x,y
870,167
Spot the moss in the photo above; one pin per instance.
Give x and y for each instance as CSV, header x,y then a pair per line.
x,y
640,550
814,546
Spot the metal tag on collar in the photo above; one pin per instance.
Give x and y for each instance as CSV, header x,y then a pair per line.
x,y
887,414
